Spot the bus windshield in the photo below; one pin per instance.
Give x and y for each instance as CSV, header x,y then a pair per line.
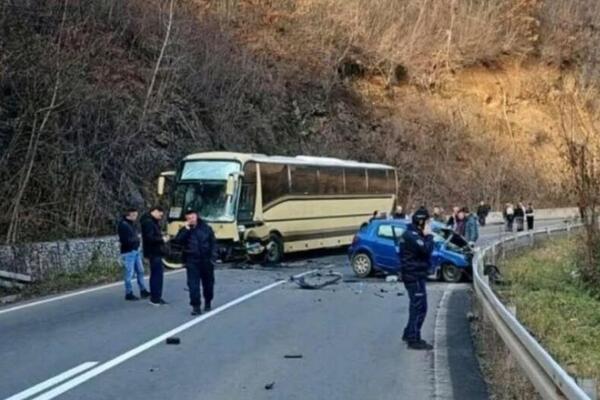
x,y
202,187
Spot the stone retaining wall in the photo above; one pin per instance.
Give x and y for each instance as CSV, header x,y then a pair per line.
x,y
38,259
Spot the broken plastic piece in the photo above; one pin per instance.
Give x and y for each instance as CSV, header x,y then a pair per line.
x,y
269,386
293,356
173,340
302,282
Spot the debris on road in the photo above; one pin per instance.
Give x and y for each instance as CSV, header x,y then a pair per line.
x,y
391,278
379,295
382,290
400,294
173,340
293,356
269,386
471,316
314,281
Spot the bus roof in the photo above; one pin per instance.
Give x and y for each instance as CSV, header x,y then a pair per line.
x,y
298,160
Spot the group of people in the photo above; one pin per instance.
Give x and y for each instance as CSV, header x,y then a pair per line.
x,y
520,216
197,241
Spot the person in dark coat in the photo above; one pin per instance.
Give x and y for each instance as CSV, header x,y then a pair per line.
x,y
452,220
520,217
399,213
153,246
460,222
482,212
416,246
199,255
529,213
130,254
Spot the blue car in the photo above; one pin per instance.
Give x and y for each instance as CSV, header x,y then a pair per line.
x,y
375,248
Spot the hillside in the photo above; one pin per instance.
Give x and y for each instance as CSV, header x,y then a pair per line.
x,y
468,99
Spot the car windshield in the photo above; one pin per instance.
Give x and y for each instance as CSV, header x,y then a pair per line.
x,y
203,187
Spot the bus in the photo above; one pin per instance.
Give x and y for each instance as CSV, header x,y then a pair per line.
x,y
262,207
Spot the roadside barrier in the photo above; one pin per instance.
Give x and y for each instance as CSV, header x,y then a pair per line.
x,y
547,376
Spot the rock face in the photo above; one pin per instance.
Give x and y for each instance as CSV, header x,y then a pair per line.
x,y
40,259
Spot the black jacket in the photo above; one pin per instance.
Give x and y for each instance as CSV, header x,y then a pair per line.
x,y
415,254
198,244
152,239
128,236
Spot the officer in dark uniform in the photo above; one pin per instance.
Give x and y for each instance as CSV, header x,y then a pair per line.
x,y
199,255
416,246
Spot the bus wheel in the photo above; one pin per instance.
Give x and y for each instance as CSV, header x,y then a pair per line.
x,y
274,250
451,274
362,265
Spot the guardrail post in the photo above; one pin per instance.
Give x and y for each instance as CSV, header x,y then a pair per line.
x,y
530,239
589,386
548,231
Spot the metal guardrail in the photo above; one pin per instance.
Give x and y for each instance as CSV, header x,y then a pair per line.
x,y
546,375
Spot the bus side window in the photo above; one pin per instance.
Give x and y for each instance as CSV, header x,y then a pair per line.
x,y
304,180
377,181
247,193
274,179
331,180
356,181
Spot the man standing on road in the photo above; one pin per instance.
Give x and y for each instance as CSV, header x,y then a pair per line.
x,y
153,243
130,254
482,212
199,254
416,245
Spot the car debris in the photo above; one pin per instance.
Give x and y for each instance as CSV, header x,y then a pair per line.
x,y
293,356
400,294
269,386
379,295
173,340
305,283
391,278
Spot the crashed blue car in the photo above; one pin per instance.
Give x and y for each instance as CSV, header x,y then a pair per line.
x,y
375,248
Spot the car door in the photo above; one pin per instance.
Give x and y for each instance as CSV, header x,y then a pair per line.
x,y
385,248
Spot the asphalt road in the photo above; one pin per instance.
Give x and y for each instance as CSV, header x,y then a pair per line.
x,y
94,345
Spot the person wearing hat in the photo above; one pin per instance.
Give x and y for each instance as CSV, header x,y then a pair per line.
x,y
416,246
199,245
153,246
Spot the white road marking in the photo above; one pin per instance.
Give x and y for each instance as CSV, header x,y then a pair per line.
x,y
40,387
441,367
57,391
68,295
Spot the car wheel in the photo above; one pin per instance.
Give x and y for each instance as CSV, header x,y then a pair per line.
x,y
451,273
362,265
274,250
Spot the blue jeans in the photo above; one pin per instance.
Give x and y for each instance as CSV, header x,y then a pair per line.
x,y
417,310
156,278
132,263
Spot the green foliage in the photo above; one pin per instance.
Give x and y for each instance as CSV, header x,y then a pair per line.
x,y
556,306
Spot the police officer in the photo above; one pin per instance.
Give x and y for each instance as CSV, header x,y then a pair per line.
x,y
199,254
416,246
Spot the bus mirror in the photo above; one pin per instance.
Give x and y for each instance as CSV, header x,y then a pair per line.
x,y
229,190
160,187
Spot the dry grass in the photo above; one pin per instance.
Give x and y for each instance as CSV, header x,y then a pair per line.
x,y
553,303
275,77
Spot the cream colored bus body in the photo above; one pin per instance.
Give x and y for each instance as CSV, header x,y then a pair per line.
x,y
302,221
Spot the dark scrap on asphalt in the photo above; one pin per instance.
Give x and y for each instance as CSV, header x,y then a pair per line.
x,y
317,282
173,340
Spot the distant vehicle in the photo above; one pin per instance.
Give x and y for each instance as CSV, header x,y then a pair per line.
x,y
265,206
375,248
